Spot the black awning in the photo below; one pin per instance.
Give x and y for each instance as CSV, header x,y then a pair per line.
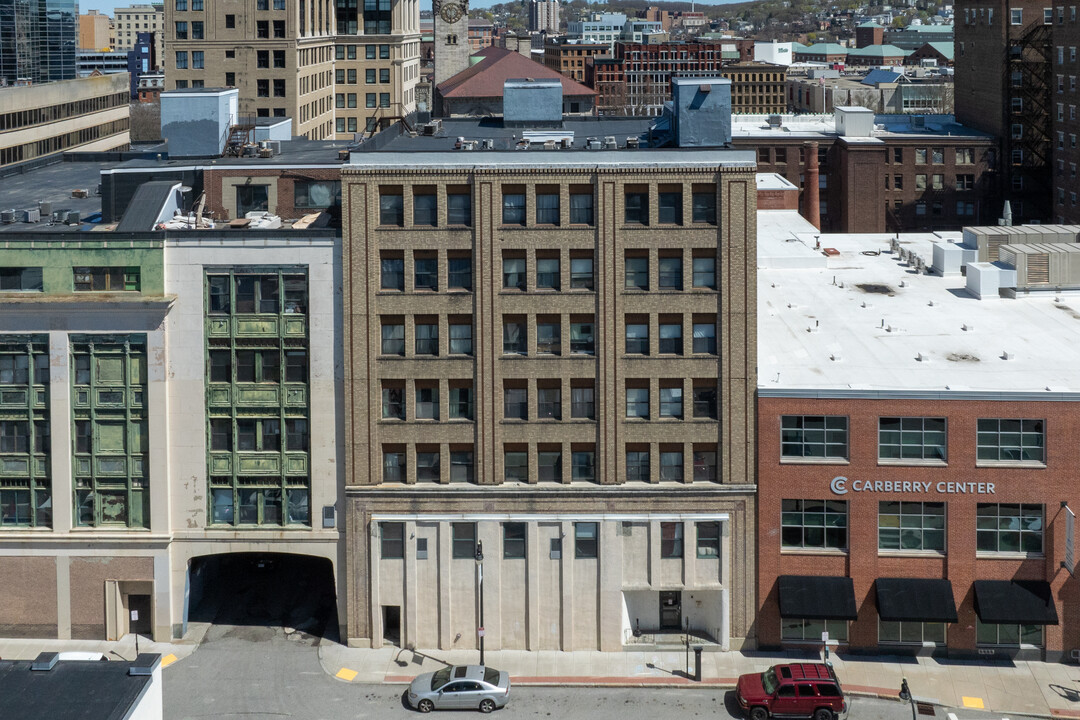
x,y
1025,602
817,598
915,599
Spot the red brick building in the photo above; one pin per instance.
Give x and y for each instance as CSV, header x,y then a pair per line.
x,y
605,76
910,487
648,69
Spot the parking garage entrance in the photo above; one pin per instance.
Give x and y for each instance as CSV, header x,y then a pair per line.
x,y
259,595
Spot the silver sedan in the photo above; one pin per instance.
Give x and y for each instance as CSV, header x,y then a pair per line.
x,y
460,687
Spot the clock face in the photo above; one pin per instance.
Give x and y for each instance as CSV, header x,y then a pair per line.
x,y
451,12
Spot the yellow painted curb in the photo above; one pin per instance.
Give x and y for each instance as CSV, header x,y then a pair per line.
x,y
347,675
168,660
973,702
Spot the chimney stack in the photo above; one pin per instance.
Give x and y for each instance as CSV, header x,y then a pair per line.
x,y
811,199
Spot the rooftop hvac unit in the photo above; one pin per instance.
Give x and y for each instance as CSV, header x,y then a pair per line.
x,y
275,146
918,122
31,216
7,216
775,121
59,216
265,152
487,144
45,207
632,142
593,144
609,143
433,128
549,144
567,142
80,193
73,217
97,190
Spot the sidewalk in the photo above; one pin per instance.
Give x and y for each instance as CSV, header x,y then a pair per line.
x,y
1005,688
17,649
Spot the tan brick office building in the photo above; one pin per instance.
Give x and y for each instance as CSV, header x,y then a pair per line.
x,y
551,354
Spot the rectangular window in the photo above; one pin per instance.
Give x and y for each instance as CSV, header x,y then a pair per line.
x,y
547,208
461,341
461,403
920,156
393,540
1009,528
459,208
708,539
671,402
427,403
586,540
704,466
198,60
513,208
514,540
548,337
391,206
514,273
814,524
671,340
636,208
181,31
911,526
393,337
704,207
514,340
637,465
461,466
1011,440
384,76
425,208
515,403
464,540
427,337
181,60
548,276
317,193
582,341
549,466
637,402
581,208
279,28
392,272
637,337
814,436
1016,16
582,403
894,632
670,208
705,401
21,279
1008,635
670,270
637,273
911,438
106,279
798,629
705,338
425,272
393,401
427,466
671,466
583,466
705,272
671,540
581,273
516,466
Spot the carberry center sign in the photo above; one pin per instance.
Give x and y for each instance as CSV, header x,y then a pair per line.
x,y
841,486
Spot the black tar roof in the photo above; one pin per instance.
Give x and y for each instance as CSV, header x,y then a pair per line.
x,y
72,690
51,183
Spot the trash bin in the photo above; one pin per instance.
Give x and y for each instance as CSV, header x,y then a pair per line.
x,y
697,663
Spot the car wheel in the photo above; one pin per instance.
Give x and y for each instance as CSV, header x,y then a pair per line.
x,y
487,705
823,714
759,713
425,706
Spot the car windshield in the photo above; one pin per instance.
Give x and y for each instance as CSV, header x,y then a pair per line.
x,y
440,678
491,676
768,681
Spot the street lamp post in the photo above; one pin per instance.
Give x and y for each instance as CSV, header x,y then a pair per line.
x,y
905,695
480,589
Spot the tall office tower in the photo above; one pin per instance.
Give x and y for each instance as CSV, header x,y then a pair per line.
x,y
544,16
38,39
1004,83
278,53
376,64
451,38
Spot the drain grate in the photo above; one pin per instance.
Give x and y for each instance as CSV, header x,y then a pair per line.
x,y
925,709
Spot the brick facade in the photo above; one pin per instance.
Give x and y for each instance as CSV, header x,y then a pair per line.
x,y
1048,484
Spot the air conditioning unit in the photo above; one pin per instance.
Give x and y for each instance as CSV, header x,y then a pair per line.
x,y
1074,654
45,207
7,216
609,143
488,144
31,216
593,144
632,142
73,217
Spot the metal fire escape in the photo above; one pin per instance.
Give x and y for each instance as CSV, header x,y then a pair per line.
x,y
1028,81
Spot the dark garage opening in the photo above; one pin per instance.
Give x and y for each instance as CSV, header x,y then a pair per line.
x,y
264,589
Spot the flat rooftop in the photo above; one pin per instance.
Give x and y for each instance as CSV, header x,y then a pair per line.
x,y
862,323
505,138
526,159
889,125
72,690
51,183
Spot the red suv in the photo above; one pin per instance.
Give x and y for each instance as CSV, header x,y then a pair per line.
x,y
805,690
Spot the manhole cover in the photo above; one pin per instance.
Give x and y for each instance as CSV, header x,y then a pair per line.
x,y
925,709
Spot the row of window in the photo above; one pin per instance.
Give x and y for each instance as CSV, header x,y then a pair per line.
x,y
549,339
912,526
83,279
547,209
546,271
893,632
371,100
516,464
515,541
932,182
549,406
371,52
1009,440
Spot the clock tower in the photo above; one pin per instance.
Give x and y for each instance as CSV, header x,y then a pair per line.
x,y
452,47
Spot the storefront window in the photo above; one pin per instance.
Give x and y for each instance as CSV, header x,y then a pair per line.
x,y
810,630
896,632
987,634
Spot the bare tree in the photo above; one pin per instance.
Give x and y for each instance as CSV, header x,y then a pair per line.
x,y
145,121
